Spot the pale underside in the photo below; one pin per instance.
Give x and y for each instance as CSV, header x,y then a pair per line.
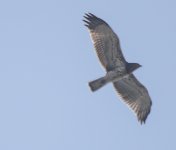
x,y
105,41
135,95
108,50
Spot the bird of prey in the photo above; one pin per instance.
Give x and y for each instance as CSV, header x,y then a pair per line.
x,y
118,71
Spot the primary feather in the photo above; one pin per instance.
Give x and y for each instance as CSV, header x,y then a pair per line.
x,y
106,42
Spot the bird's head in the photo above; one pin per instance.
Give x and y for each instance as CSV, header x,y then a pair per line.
x,y
132,67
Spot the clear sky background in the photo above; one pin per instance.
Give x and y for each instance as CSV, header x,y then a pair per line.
x,y
47,59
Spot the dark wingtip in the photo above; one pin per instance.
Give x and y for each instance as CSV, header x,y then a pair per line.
x,y
89,14
92,21
142,118
86,21
142,122
92,15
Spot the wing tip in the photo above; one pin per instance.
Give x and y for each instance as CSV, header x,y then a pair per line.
x,y
141,109
92,21
142,116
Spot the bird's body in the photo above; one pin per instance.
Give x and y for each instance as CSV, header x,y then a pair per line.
x,y
111,76
118,70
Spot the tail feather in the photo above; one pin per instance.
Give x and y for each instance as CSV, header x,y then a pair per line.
x,y
97,84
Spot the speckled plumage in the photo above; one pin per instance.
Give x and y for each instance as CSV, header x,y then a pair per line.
x,y
119,71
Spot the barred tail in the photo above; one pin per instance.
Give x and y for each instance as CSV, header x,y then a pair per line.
x,y
97,84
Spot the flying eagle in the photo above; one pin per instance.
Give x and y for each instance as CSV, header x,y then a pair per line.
x,y
118,70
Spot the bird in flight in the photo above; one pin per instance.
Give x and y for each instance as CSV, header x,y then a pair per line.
x,y
118,71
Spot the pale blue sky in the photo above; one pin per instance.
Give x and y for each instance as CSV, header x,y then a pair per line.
x,y
47,59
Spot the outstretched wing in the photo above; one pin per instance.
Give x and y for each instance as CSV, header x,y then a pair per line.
x,y
105,42
135,95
